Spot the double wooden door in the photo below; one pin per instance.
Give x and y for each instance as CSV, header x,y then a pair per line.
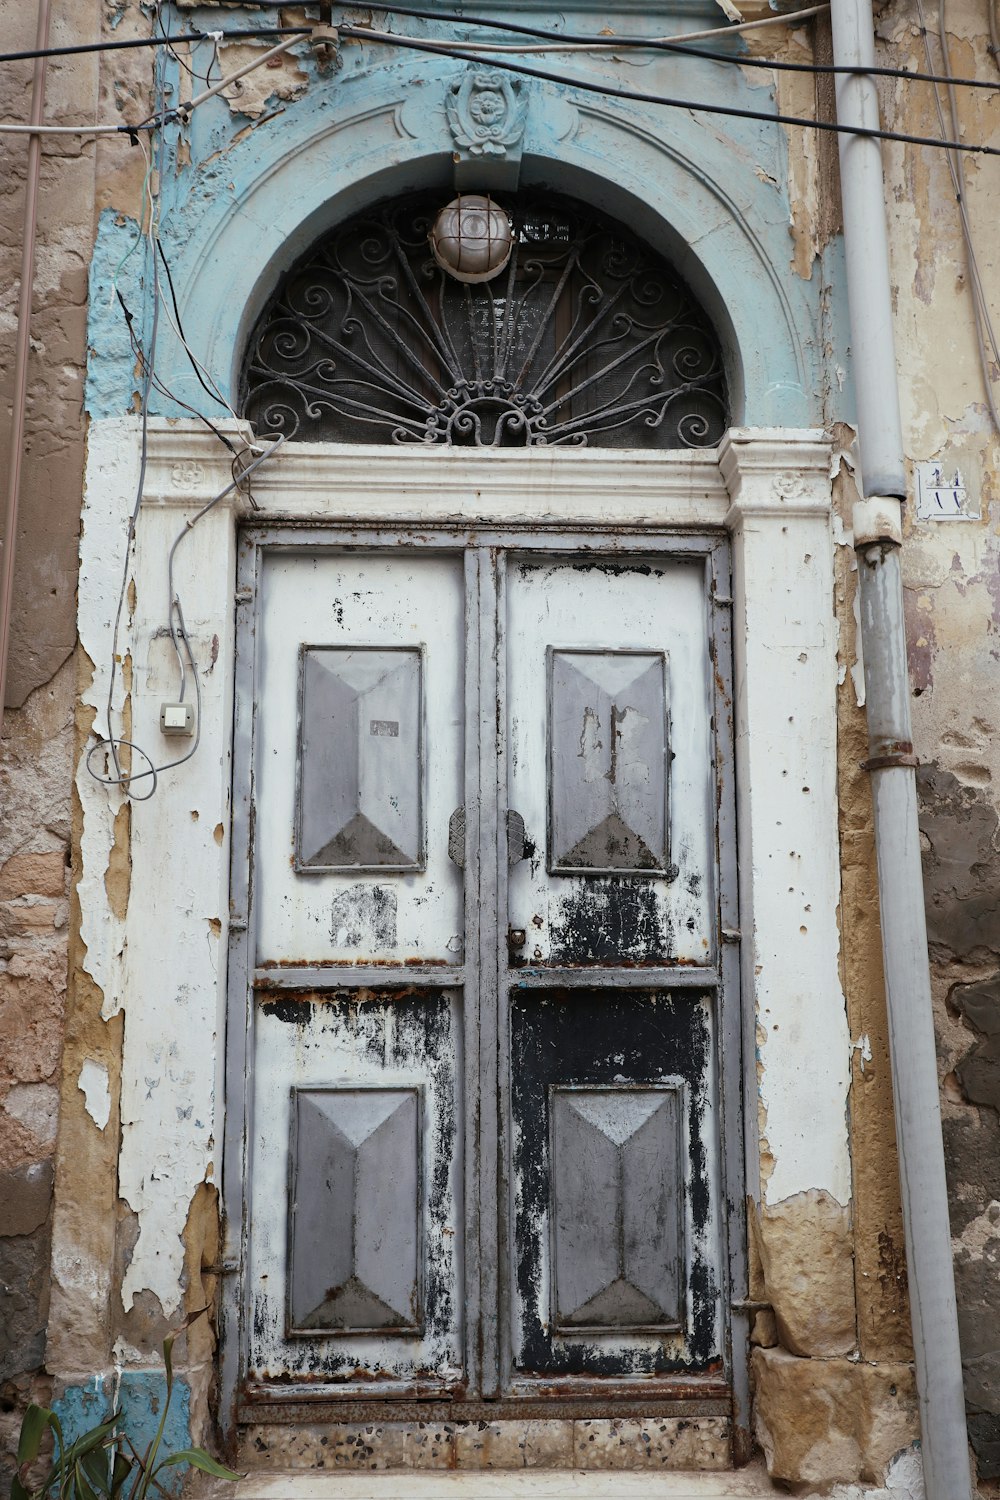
x,y
484,1134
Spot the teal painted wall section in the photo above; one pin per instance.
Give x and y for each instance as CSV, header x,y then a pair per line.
x,y
241,198
141,1397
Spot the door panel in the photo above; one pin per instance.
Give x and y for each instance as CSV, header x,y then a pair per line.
x,y
356,783
615,1185
611,761
615,1161
356,1210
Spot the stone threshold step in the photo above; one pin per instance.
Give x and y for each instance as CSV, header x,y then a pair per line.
x,y
528,1484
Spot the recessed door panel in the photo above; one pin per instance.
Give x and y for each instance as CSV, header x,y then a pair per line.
x,y
616,1185
360,760
609,685
357,1205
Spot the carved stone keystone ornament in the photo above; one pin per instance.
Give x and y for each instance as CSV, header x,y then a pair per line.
x,y
485,113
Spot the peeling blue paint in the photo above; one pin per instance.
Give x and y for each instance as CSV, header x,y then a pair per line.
x,y
111,377
241,199
141,1395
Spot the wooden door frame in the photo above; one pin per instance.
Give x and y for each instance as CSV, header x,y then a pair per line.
x,y
489,1366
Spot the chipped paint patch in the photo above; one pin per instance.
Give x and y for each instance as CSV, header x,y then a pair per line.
x,y
93,1085
282,78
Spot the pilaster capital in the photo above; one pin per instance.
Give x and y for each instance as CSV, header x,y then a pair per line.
x,y
776,472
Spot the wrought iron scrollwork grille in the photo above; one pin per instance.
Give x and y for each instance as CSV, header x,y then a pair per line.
x,y
586,337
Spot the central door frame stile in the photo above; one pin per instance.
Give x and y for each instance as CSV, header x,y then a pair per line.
x,y
731,1012
493,853
474,1004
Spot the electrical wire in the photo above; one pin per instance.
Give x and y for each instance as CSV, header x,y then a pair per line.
x,y
181,641
435,47
120,779
389,38
229,34
982,319
203,376
111,744
214,36
158,119
678,46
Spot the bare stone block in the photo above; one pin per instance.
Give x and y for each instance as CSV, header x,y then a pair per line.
x,y
831,1421
807,1253
514,1445
34,875
25,1194
659,1443
370,1446
24,1300
36,1106
30,1029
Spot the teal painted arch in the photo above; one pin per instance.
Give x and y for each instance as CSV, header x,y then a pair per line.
x,y
234,221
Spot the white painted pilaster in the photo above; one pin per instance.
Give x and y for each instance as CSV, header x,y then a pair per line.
x,y
785,646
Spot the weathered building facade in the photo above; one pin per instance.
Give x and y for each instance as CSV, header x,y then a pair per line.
x,y
344,1033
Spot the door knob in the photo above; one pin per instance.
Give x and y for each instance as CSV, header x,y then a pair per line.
x,y
515,837
456,837
516,937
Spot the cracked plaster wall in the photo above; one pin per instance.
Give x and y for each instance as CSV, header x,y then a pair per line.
x,y
951,572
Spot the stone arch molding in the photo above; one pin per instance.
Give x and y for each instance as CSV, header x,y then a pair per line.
x,y
698,197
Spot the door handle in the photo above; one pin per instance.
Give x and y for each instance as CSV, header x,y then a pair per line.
x,y
515,837
456,837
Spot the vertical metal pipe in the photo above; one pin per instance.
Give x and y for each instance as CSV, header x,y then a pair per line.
x,y
22,348
877,536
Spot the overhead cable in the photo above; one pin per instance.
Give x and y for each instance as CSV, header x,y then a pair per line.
x,y
181,112
229,34
676,45
679,44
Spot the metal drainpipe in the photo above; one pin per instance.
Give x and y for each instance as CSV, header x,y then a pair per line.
x,y
877,539
22,348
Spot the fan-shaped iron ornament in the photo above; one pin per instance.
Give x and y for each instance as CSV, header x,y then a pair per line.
x,y
586,337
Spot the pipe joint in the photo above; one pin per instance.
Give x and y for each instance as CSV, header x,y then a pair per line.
x,y
877,520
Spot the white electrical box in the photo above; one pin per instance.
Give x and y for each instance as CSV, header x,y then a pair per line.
x,y
177,718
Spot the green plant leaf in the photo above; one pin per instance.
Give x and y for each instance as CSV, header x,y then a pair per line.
x,y
120,1473
168,1359
93,1440
96,1464
199,1459
36,1419
82,1487
17,1490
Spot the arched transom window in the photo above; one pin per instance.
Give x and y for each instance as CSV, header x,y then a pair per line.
x,y
587,336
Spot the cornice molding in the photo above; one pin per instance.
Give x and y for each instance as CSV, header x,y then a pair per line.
x,y
753,472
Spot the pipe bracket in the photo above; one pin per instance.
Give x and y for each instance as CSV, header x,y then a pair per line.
x,y
900,760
